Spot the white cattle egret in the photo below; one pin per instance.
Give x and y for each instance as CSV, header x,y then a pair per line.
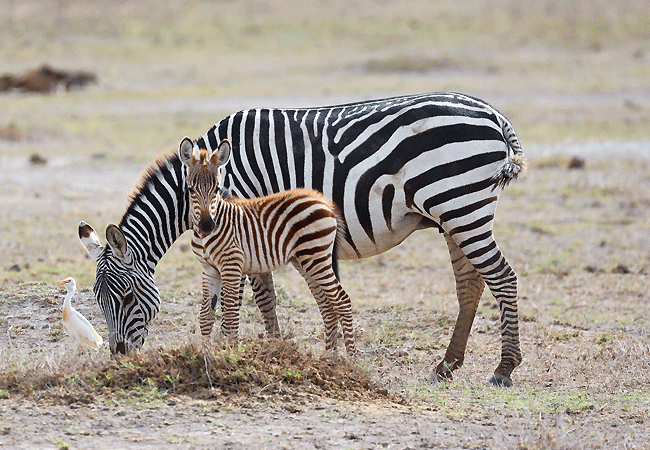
x,y
75,323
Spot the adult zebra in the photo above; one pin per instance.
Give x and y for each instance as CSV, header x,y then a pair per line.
x,y
392,166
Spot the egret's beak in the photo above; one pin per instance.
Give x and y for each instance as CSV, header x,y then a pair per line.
x,y
62,282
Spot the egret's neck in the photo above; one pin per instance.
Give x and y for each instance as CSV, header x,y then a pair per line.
x,y
68,298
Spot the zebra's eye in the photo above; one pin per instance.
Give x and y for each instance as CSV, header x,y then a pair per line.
x,y
128,298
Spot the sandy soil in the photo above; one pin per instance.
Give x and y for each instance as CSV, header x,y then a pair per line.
x,y
584,308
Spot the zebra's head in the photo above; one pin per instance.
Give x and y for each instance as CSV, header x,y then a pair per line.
x,y
124,288
204,182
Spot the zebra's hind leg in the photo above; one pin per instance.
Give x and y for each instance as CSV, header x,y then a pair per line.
x,y
343,306
484,254
336,300
327,312
264,295
469,287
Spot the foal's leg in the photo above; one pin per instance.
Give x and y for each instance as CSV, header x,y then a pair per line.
x,y
336,298
264,295
211,287
231,278
327,312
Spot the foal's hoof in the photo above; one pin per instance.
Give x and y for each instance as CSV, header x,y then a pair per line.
x,y
500,381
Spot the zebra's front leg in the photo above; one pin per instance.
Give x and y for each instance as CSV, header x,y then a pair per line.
x,y
264,295
469,287
211,289
231,279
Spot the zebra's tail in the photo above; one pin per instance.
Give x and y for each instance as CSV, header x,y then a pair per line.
x,y
515,164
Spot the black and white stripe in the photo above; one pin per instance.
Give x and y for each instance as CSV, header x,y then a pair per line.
x,y
394,166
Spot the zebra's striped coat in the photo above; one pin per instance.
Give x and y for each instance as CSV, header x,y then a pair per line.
x,y
250,236
392,166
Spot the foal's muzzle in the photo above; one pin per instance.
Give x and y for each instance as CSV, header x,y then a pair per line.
x,y
206,224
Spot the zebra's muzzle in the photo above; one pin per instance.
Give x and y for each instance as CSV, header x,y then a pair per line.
x,y
206,224
120,348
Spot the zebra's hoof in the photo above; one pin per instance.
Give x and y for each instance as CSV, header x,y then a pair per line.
x,y
436,377
500,381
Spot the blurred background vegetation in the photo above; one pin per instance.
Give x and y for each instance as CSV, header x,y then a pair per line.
x,y
561,70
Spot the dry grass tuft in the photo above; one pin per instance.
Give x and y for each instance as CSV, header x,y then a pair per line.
x,y
249,368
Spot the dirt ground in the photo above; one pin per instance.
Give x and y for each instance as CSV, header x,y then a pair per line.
x,y
583,286
573,80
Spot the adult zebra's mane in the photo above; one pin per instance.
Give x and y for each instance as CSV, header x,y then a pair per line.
x,y
157,209
149,173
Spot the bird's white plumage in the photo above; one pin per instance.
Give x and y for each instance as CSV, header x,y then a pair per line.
x,y
74,322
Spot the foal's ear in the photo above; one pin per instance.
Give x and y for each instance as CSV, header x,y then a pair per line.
x,y
221,156
90,240
117,241
186,151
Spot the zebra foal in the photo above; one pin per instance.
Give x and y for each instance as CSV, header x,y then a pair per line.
x,y
251,236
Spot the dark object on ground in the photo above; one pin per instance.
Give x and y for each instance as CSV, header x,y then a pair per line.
x,y
79,80
45,80
576,163
37,159
621,269
6,82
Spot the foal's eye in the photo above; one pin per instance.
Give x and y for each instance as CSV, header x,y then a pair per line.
x,y
191,189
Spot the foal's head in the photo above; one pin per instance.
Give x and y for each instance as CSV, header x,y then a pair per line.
x,y
203,180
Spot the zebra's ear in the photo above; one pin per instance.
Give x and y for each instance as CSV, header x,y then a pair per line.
x,y
186,151
221,156
117,241
90,240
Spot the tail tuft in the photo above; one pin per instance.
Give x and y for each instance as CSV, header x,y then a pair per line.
x,y
515,163
515,166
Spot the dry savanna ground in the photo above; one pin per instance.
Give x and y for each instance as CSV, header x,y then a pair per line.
x,y
573,78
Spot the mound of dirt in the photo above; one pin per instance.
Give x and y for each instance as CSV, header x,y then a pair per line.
x,y
232,371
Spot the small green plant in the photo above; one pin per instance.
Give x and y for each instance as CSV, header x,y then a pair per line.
x,y
447,367
291,375
4,393
74,380
188,355
129,365
233,354
173,380
604,338
240,375
149,392
175,439
109,377
62,444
